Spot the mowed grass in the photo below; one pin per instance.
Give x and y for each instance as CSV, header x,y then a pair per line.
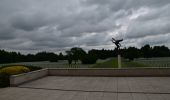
x,y
113,63
107,63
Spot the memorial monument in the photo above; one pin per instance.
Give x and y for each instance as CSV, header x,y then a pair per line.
x,y
118,45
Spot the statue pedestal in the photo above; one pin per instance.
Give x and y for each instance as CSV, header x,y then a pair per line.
x,y
119,61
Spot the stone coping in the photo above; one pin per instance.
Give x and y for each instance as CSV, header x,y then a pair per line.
x,y
100,72
115,68
32,72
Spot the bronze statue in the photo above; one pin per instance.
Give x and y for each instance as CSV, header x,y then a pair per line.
x,y
117,42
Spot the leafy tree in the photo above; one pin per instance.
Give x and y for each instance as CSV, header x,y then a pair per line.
x,y
76,53
146,51
79,54
132,53
46,56
161,51
103,54
69,57
61,56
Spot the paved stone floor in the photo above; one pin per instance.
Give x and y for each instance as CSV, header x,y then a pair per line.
x,y
91,88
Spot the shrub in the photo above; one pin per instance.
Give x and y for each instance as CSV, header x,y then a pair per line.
x,y
31,68
12,70
89,59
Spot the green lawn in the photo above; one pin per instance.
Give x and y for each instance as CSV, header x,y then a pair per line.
x,y
107,63
112,63
132,64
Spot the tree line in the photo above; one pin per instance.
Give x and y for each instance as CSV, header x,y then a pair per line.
x,y
145,52
75,54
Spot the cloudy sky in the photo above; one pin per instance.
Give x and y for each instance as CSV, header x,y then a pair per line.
x,y
29,26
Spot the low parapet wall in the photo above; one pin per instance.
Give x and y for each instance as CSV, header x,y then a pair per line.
x,y
25,77
133,72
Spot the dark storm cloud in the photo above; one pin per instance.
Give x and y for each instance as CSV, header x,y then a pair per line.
x,y
61,24
126,4
29,22
6,32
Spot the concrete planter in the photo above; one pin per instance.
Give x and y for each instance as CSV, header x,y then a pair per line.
x,y
25,77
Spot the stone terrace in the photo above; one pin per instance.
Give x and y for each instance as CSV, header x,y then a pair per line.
x,y
90,88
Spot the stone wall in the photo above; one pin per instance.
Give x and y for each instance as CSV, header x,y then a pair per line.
x,y
133,72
